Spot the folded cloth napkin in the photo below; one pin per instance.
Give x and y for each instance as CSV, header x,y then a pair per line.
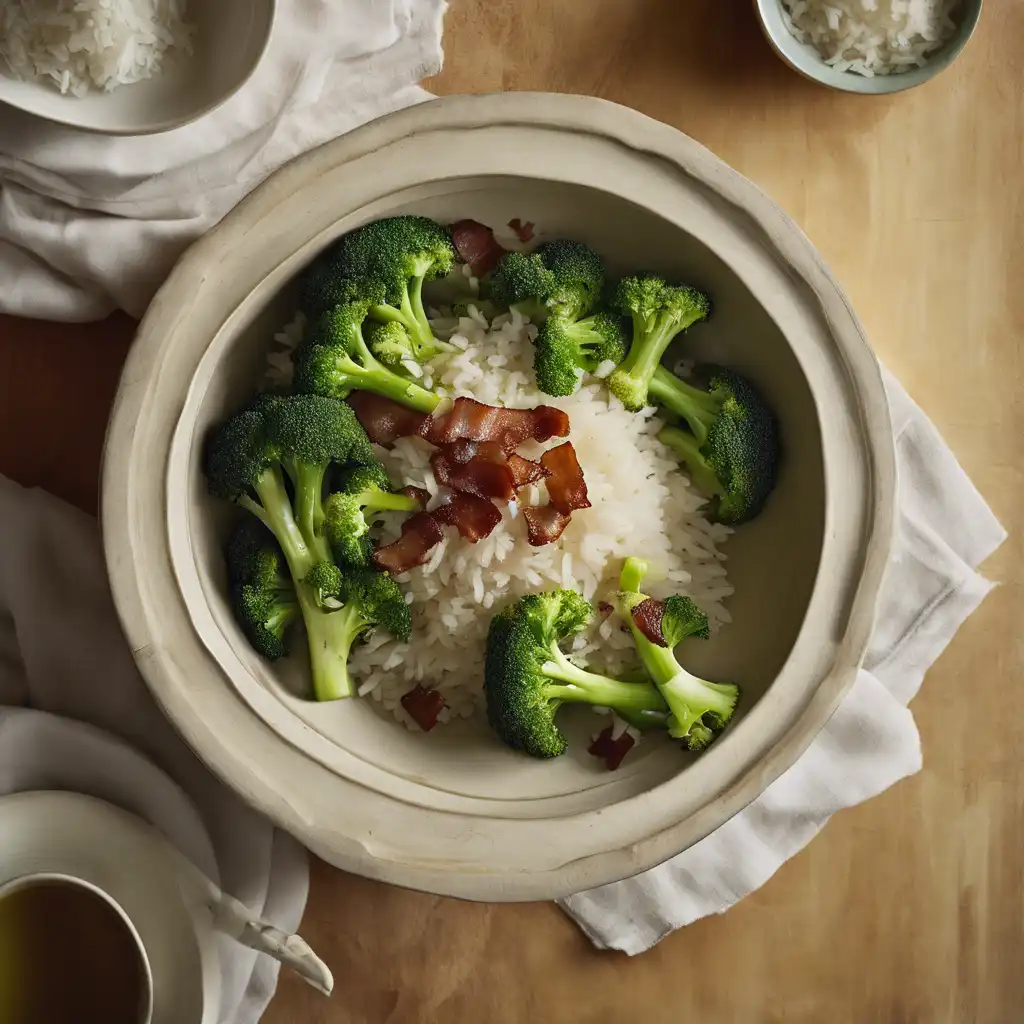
x,y
945,531
62,654
90,223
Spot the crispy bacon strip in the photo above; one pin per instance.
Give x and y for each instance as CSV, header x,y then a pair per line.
x,y
472,516
566,487
544,524
420,533
479,476
524,471
423,706
476,245
648,615
470,420
611,749
524,232
384,420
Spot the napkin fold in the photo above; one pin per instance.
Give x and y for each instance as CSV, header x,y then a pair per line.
x,y
90,223
944,532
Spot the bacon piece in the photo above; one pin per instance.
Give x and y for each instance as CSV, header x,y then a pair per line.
x,y
384,420
479,476
464,451
544,524
471,420
610,748
476,245
648,615
420,533
566,487
472,516
524,471
524,232
423,706
418,494
605,609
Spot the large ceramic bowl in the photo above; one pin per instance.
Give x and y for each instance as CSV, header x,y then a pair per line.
x,y
452,811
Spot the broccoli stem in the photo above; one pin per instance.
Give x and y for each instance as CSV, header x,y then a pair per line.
x,y
384,501
274,510
699,408
308,479
649,344
687,448
331,635
413,317
590,688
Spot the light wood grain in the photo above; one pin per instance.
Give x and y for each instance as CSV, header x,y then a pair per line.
x,y
909,909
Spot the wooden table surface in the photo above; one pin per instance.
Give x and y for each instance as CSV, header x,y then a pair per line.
x,y
909,909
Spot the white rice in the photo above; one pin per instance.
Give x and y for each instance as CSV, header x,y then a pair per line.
x,y
83,45
641,505
872,37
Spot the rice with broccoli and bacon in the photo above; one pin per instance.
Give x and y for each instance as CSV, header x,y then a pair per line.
x,y
515,439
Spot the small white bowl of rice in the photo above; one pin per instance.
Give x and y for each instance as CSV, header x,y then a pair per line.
x,y
790,595
871,47
128,67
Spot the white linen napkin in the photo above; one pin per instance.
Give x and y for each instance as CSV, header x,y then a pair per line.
x,y
90,223
62,653
945,531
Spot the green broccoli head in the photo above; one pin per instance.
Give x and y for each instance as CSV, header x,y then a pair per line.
x,y
699,709
521,277
390,343
317,430
731,448
659,312
566,349
561,277
261,589
237,453
527,677
361,492
335,361
384,264
379,601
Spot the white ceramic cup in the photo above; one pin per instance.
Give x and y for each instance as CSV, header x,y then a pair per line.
x,y
23,882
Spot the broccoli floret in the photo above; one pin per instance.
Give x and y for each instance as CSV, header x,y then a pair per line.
x,y
250,460
374,599
335,361
527,677
732,447
699,709
566,349
561,278
390,343
659,312
262,593
384,264
361,492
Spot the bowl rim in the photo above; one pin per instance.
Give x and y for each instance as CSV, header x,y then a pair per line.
x,y
784,44
649,138
152,127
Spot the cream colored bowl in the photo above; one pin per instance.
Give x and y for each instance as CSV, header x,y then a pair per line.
x,y
452,811
231,37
